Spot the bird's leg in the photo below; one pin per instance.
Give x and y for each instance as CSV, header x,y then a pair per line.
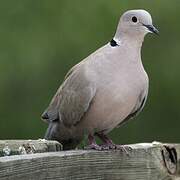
x,y
108,143
92,143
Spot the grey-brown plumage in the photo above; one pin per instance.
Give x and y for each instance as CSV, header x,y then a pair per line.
x,y
104,90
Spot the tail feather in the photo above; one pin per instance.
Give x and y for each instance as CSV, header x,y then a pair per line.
x,y
70,144
54,133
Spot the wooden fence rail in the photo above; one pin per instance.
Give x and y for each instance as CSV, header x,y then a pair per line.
x,y
146,161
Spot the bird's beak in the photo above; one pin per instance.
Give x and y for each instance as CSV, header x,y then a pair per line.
x,y
151,28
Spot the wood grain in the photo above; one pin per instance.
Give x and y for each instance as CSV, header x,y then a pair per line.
x,y
17,147
147,161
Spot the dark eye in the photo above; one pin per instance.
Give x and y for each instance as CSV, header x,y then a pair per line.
x,y
134,19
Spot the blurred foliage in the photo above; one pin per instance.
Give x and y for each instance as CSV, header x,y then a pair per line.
x,y
40,40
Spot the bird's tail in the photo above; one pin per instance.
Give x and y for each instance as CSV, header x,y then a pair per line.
x,y
61,135
70,144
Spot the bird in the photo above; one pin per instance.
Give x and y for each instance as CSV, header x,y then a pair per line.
x,y
103,91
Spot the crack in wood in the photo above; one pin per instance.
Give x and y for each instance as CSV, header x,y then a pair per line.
x,y
169,156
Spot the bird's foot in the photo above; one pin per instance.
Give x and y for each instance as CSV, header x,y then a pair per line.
x,y
124,148
93,146
92,143
111,146
108,146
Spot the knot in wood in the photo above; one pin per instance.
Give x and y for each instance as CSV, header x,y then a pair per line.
x,y
29,148
169,156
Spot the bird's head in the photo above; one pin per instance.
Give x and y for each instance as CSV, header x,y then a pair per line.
x,y
135,23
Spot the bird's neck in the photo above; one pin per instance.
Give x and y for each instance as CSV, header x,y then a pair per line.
x,y
130,40
131,44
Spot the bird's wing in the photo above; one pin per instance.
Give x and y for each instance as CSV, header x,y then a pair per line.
x,y
73,98
137,109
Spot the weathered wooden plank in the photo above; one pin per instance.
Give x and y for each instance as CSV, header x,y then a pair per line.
x,y
17,147
144,162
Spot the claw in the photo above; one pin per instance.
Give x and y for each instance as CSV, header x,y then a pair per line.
x,y
93,146
108,146
124,148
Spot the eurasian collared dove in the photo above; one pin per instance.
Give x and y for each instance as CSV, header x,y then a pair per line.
x,y
104,90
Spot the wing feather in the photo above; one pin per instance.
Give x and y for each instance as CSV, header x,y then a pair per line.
x,y
73,98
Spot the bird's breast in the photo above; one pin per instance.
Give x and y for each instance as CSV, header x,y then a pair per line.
x,y
120,79
116,96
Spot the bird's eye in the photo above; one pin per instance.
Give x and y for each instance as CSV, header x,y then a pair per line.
x,y
134,19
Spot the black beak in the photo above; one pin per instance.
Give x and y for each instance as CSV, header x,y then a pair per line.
x,y
151,28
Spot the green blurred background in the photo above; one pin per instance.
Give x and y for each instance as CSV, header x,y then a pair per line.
x,y
41,39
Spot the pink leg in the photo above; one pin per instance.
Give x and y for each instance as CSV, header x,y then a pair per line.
x,y
92,143
108,143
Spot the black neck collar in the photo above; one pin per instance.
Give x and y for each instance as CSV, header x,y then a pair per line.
x,y
113,43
